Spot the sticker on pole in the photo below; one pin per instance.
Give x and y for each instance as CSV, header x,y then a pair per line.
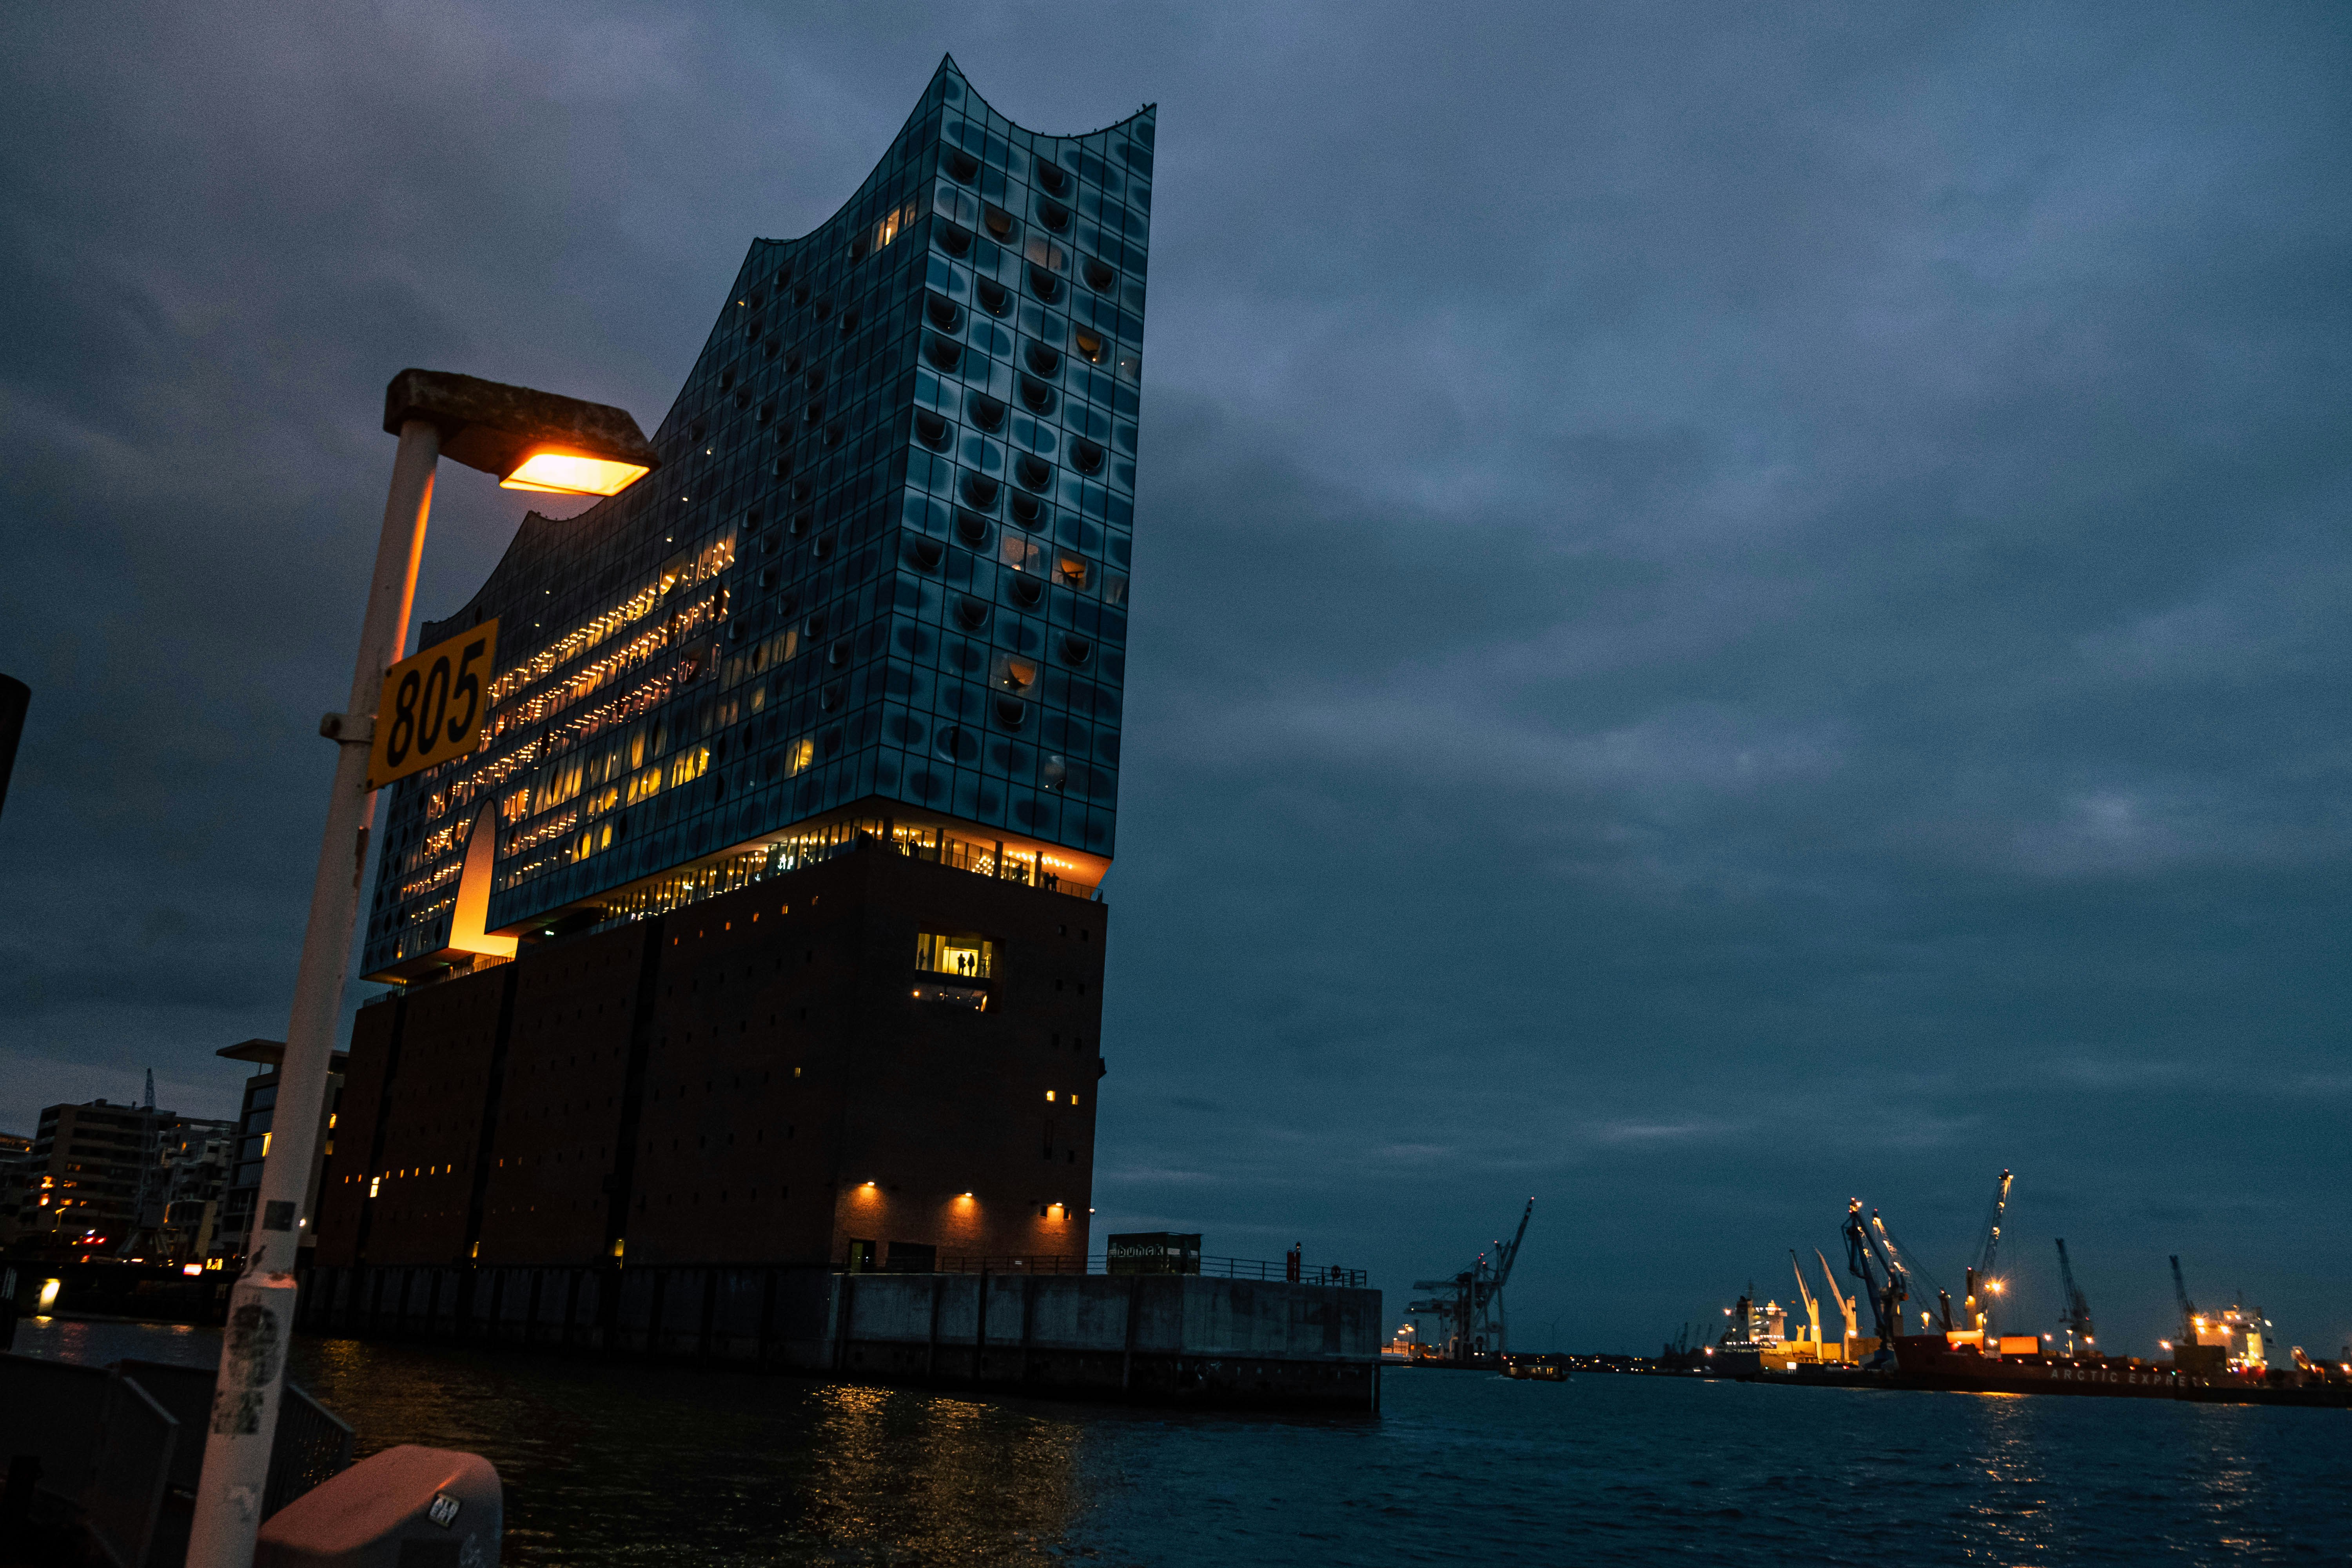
x,y
432,705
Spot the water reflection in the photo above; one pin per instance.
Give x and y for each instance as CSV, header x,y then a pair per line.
x,y
605,1461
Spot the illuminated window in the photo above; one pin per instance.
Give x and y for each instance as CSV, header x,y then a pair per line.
x,y
967,955
590,842
892,223
1090,344
1073,570
562,784
688,766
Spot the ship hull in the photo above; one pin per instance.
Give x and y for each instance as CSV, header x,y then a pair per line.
x,y
1924,1362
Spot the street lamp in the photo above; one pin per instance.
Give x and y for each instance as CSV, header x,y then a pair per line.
x,y
531,440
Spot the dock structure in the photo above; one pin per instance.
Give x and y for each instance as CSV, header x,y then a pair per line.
x,y
1152,1338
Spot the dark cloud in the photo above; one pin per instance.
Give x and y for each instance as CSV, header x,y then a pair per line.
x,y
1734,607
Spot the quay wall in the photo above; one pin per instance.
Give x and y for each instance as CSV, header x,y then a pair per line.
x,y
1180,1339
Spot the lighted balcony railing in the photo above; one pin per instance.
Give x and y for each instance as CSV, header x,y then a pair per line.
x,y
691,884
981,859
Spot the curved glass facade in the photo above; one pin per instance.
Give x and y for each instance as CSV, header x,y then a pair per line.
x,y
879,585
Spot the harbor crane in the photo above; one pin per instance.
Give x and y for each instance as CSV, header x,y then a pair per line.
x,y
1980,1313
1846,1303
1812,1307
2077,1318
1470,1304
2188,1330
1867,1244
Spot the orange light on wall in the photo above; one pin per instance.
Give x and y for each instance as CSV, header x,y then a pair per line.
x,y
553,470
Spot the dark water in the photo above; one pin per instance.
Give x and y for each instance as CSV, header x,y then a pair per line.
x,y
624,1465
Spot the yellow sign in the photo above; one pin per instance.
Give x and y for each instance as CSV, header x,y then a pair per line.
x,y
432,705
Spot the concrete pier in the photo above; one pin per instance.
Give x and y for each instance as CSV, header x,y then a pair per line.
x,y
1159,1338
1182,1339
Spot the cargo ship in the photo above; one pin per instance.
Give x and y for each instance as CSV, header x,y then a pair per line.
x,y
1931,1362
2220,1358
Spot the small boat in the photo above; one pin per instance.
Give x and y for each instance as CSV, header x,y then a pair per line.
x,y
1535,1368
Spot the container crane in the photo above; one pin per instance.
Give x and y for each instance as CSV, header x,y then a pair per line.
x,y
1470,1304
1867,1244
2187,1333
2078,1310
1979,1312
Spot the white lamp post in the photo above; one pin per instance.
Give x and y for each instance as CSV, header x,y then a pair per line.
x,y
531,440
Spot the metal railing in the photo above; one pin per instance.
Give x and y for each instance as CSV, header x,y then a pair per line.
x,y
1211,1268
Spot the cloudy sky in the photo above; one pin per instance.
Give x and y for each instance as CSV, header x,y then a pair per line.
x,y
1735,607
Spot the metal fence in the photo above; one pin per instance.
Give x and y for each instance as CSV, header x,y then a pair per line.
x,y
129,1464
1099,1263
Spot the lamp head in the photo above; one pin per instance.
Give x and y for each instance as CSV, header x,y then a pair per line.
x,y
533,440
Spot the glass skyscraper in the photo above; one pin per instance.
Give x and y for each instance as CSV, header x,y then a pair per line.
x,y
877,590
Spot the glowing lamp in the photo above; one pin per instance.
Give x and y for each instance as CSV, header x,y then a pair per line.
x,y
533,440
192,1269
551,470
